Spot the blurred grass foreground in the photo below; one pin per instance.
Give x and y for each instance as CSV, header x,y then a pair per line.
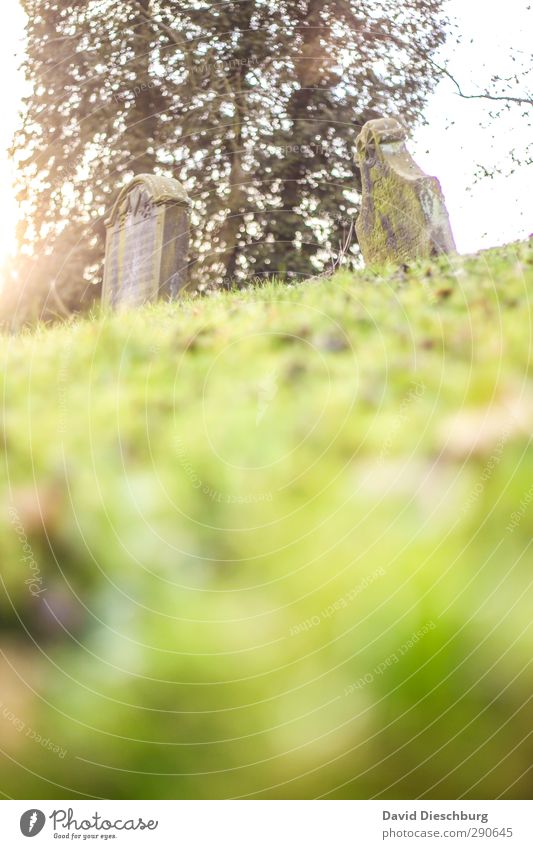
x,y
274,543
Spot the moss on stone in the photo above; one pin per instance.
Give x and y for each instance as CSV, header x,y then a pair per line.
x,y
403,216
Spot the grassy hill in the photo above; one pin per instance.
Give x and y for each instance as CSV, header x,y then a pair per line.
x,y
274,543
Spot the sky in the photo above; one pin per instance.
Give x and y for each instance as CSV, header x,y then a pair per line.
x,y
492,211
451,145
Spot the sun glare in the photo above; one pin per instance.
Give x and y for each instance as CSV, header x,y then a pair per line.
x,y
11,34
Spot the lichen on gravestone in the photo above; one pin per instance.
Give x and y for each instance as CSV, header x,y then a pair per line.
x,y
147,242
403,215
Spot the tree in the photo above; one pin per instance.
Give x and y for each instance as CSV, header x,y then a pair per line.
x,y
253,104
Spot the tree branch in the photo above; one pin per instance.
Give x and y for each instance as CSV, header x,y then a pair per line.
x,y
380,33
169,32
484,95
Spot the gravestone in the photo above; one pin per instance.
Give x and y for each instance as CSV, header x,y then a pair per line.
x,y
147,242
403,216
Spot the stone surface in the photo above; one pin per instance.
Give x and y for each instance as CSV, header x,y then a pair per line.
x,y
147,242
403,215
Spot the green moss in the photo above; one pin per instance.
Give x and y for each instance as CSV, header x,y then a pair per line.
x,y
397,203
394,226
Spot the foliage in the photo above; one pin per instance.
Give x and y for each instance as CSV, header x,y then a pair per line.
x,y
254,105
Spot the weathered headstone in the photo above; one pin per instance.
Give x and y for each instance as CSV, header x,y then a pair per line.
x,y
403,215
147,242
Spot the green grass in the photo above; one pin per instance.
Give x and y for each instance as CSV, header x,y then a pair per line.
x,y
237,511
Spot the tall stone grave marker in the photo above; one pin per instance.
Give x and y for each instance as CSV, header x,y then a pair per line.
x,y
403,215
147,242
